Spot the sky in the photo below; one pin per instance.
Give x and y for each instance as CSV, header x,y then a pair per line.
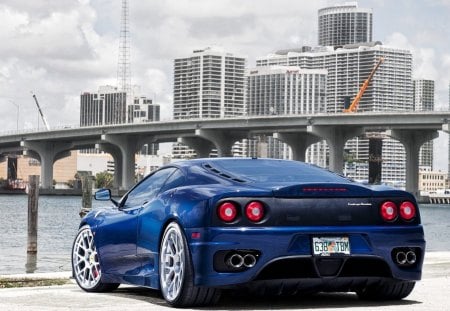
x,y
60,49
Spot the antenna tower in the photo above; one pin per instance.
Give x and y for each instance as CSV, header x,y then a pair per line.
x,y
123,65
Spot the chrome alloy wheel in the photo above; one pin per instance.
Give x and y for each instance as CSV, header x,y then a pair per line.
x,y
85,260
172,262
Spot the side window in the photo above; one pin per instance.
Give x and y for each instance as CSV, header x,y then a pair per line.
x,y
175,180
148,188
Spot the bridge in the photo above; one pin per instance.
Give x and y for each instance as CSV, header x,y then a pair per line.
x,y
122,141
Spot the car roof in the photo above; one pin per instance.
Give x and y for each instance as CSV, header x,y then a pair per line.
x,y
262,170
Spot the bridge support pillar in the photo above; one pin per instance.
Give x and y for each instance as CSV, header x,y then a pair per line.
x,y
223,140
128,145
336,138
412,140
201,146
114,151
47,153
299,142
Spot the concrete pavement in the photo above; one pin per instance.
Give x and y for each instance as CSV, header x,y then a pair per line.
x,y
432,293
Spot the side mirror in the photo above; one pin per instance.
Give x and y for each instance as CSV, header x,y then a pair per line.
x,y
103,195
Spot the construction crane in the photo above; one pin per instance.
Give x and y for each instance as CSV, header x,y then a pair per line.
x,y
354,105
41,113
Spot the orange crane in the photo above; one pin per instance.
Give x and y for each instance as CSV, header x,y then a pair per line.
x,y
354,105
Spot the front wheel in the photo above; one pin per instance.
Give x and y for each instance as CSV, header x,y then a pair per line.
x,y
176,275
85,263
386,290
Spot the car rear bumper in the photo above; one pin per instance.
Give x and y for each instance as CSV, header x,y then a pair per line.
x,y
286,253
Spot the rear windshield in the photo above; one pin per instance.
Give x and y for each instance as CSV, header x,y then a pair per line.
x,y
261,170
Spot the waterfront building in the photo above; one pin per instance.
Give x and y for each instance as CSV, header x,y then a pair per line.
x,y
344,24
207,84
424,101
431,181
19,168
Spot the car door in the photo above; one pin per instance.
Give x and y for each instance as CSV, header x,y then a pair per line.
x,y
119,228
151,219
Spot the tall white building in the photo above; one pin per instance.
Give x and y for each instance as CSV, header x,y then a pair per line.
x,y
391,89
344,24
283,90
424,101
210,83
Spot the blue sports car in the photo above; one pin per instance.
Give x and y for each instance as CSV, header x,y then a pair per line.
x,y
282,227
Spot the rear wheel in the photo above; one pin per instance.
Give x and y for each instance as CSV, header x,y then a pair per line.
x,y
176,273
387,290
85,263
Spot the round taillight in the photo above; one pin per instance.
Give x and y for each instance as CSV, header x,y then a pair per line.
x,y
388,211
407,210
227,211
254,211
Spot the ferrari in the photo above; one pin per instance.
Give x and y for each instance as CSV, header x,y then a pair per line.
x,y
194,228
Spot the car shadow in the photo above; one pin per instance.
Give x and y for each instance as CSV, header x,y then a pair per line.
x,y
238,301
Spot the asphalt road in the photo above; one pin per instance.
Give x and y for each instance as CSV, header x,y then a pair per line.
x,y
432,293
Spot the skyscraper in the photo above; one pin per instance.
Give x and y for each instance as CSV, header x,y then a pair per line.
x,y
344,24
209,84
348,67
110,106
424,101
283,90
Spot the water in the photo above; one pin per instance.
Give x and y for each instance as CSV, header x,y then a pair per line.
x,y
59,219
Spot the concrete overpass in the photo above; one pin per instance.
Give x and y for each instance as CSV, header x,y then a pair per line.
x,y
122,141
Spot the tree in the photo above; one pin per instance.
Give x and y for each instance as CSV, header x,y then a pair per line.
x,y
104,180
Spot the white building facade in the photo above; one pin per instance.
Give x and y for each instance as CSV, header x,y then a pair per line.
x,y
286,90
210,83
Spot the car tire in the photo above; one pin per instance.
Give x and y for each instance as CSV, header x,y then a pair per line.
x,y
386,290
176,275
86,268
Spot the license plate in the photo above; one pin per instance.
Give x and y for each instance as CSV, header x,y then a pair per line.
x,y
326,246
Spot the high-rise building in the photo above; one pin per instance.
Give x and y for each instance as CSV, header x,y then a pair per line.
x,y
111,106
107,106
391,89
424,101
208,84
348,67
344,24
283,90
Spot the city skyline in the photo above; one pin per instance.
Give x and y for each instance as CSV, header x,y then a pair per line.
x,y
61,49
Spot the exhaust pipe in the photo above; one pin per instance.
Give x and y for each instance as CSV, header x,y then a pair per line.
x,y
411,257
401,258
249,260
235,261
